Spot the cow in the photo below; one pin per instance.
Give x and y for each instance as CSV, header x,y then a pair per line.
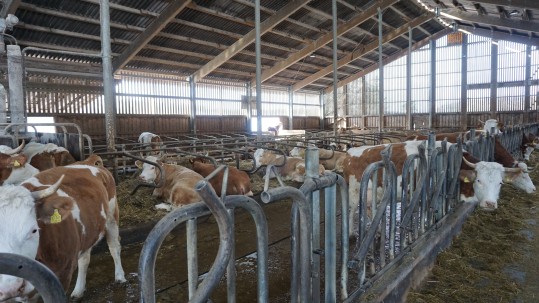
x,y
488,176
330,159
529,143
520,180
56,217
45,156
150,141
178,186
292,170
490,123
275,129
14,167
238,182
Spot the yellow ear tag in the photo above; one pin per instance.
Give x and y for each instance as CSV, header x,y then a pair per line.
x,y
16,163
507,179
466,180
56,217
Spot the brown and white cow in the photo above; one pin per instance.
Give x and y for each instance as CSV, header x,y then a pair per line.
x,y
179,183
45,156
56,217
520,180
14,167
331,160
488,176
530,142
238,182
293,169
150,141
490,123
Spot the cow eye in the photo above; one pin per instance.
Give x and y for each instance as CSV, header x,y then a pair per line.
x,y
34,231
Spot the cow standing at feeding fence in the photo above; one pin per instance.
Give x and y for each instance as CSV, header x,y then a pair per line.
x,y
238,182
57,217
488,176
45,156
178,183
14,167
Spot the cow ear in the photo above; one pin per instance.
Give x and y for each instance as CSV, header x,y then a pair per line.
x,y
509,177
138,163
54,212
467,175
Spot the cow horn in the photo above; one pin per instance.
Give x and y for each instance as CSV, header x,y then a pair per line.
x,y
470,164
512,169
14,151
44,193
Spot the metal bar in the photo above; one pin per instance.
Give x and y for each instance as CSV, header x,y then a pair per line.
x,y
192,96
409,122
527,85
464,84
311,171
258,62
380,72
330,244
15,77
493,79
290,108
432,88
192,256
108,80
335,61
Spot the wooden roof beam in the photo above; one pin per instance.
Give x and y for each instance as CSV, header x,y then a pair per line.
x,y
169,13
522,25
528,4
362,51
500,35
388,60
249,38
323,40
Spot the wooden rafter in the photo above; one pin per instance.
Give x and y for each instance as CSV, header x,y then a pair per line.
x,y
528,4
323,40
9,7
362,51
490,20
249,38
172,10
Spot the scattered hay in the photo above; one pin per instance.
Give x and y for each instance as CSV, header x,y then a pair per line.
x,y
472,269
137,208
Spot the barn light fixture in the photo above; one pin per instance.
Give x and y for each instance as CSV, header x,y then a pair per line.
x,y
515,13
312,56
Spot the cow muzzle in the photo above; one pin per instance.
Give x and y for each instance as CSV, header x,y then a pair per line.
x,y
488,205
12,290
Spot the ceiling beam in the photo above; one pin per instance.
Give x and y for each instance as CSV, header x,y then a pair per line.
x,y
249,38
170,12
363,50
323,40
529,4
389,59
490,20
9,7
501,35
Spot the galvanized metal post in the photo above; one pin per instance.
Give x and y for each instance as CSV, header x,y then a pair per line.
x,y
16,97
493,78
3,104
290,108
311,171
335,59
381,73
258,70
409,124
432,88
363,103
464,84
193,98
330,243
322,113
108,79
527,84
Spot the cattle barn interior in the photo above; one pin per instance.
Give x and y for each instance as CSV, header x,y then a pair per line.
x,y
424,98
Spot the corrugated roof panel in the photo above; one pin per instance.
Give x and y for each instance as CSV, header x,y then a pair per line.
x,y
210,37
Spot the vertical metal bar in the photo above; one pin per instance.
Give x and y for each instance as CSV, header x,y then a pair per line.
x,y
16,100
493,79
322,116
249,109
231,268
409,124
193,97
311,171
290,108
432,88
108,80
464,84
3,104
330,244
363,101
258,70
192,256
335,59
527,84
381,73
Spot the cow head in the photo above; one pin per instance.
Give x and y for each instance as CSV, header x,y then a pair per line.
x,y
519,177
13,166
19,231
487,179
149,172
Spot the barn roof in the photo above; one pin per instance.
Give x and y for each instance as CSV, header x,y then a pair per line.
x,y
215,39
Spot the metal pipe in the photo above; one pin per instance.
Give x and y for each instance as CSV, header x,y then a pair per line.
x,y
258,62
381,72
3,104
108,80
41,277
313,197
335,61
192,256
409,122
290,108
192,97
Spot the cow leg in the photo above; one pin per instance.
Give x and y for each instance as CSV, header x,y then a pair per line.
x,y
80,286
113,241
